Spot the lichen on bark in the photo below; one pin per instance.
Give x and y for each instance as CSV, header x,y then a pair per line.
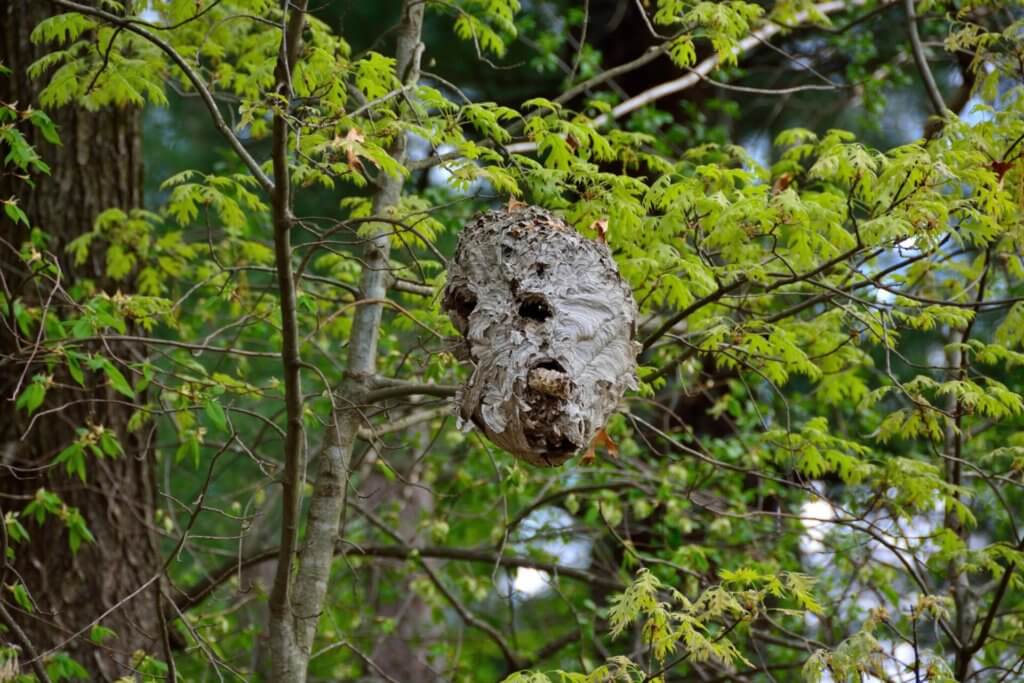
x,y
549,326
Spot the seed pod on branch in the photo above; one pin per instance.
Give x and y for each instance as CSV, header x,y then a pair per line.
x,y
549,326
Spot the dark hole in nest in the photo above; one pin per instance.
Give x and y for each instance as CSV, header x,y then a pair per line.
x,y
540,269
534,307
462,302
563,446
550,365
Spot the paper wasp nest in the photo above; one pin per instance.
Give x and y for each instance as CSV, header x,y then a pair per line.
x,y
549,326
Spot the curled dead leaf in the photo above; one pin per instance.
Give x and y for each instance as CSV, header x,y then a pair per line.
x,y
781,183
514,204
600,439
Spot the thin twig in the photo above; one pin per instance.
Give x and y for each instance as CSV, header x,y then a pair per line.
x,y
25,644
938,104
512,660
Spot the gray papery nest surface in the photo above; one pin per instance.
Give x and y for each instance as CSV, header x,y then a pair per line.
x,y
549,326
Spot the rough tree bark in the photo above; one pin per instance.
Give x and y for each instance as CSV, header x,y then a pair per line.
x,y
98,166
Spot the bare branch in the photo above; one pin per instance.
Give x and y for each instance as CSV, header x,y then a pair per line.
x,y
288,663
403,423
328,499
406,389
934,96
24,643
195,595
700,71
512,660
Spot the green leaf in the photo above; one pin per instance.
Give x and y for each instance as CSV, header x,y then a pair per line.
x,y
74,369
98,634
215,412
73,458
117,380
21,596
14,212
61,28
32,396
109,444
45,125
15,530
188,450
62,667
78,532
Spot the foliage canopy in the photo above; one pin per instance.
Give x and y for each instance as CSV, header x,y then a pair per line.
x,y
820,477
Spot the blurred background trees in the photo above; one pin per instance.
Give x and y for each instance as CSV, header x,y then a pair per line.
x,y
819,478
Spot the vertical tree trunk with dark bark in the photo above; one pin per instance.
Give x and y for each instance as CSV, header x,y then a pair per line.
x,y
97,167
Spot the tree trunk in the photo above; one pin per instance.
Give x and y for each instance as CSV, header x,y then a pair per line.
x,y
98,166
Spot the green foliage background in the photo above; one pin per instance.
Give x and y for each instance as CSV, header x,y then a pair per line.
x,y
822,474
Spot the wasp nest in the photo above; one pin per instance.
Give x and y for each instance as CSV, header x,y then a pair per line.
x,y
549,326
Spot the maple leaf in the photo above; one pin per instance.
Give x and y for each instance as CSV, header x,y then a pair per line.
x,y
353,138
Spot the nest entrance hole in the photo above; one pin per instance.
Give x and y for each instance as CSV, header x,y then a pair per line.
x,y
553,365
461,303
547,403
534,307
